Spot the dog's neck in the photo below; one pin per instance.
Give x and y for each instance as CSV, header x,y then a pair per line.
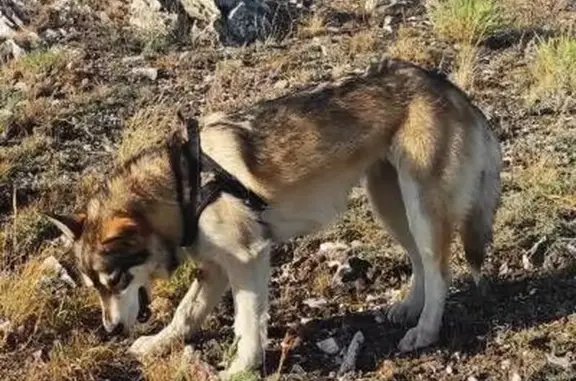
x,y
146,185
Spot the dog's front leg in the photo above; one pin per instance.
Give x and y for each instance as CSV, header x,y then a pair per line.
x,y
200,299
249,282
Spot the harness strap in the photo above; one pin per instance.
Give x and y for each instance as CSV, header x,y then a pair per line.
x,y
199,197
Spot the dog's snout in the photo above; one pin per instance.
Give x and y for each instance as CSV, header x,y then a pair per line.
x,y
117,330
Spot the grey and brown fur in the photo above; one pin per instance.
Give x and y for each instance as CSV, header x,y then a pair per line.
x,y
427,158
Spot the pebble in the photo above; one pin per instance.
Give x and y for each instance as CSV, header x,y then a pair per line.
x,y
146,72
329,346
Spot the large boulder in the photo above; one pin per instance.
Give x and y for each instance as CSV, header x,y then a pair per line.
x,y
236,22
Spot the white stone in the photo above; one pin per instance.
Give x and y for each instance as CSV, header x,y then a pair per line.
x,y
147,72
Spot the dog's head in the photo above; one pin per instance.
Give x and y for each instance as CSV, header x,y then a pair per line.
x,y
118,255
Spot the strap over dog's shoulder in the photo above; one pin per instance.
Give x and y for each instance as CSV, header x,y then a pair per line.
x,y
199,197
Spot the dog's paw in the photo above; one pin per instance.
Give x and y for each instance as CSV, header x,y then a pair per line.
x,y
417,338
404,312
146,346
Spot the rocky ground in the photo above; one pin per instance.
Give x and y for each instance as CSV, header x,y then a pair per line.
x,y
82,87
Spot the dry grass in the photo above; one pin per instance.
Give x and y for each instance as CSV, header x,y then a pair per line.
x,y
545,188
322,283
553,71
148,126
16,157
34,64
547,180
409,45
230,78
44,73
167,293
525,14
465,67
166,369
313,26
467,21
361,43
21,236
19,296
81,357
27,301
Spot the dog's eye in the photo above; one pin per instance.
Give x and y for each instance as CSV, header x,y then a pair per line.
x,y
115,278
119,280
125,280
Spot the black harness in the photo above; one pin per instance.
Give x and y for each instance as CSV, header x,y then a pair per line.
x,y
200,196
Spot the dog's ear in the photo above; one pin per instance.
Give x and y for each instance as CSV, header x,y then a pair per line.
x,y
70,225
120,231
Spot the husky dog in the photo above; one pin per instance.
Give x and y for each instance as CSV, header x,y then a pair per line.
x,y
283,168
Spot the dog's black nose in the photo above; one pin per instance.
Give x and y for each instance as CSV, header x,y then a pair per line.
x,y
119,329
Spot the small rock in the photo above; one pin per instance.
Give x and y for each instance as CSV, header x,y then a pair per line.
x,y
40,356
305,320
562,362
190,363
315,302
449,369
526,264
281,84
471,378
147,15
13,23
505,364
515,377
329,247
9,50
5,327
21,86
349,360
371,298
52,265
504,269
297,369
535,256
388,24
146,72
329,346
356,244
131,59
371,5
50,35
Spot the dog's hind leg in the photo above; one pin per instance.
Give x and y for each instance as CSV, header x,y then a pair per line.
x,y
432,230
386,200
200,299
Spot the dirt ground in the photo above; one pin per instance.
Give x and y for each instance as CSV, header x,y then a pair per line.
x,y
75,105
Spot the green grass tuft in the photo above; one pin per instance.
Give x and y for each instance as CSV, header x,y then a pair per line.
x,y
554,71
466,21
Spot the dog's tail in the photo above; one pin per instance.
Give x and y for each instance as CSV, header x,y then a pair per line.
x,y
477,228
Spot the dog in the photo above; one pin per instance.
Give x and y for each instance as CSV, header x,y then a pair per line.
x,y
284,168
